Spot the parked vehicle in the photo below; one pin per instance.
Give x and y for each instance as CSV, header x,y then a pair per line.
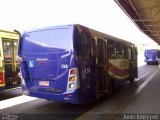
x,y
9,66
74,64
152,56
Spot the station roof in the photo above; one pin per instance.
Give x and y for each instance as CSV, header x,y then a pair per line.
x,y
145,14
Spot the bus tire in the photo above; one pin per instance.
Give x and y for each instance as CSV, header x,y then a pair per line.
x,y
110,87
131,80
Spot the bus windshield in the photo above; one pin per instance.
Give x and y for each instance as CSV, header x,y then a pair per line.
x,y
51,40
151,52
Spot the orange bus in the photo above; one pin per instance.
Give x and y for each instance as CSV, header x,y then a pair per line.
x,y
9,66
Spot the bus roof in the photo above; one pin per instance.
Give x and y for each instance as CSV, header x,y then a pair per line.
x,y
157,50
104,35
9,34
93,32
49,28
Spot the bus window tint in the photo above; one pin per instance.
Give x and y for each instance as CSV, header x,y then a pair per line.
x,y
77,44
54,40
7,51
111,49
85,45
130,56
15,47
120,50
101,52
134,53
125,51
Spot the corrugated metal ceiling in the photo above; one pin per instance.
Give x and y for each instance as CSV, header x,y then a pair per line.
x,y
145,14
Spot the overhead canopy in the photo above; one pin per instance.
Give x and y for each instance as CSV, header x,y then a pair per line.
x,y
145,14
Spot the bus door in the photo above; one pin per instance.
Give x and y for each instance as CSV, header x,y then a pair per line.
x,y
102,66
2,80
10,65
17,79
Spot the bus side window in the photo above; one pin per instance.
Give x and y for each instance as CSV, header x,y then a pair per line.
x,y
111,49
77,44
7,51
126,51
120,50
101,52
134,53
85,46
82,45
129,53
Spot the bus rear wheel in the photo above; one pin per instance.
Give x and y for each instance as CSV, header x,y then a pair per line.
x,y
131,80
110,87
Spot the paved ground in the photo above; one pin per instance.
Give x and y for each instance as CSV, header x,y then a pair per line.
x,y
10,93
140,98
140,102
148,100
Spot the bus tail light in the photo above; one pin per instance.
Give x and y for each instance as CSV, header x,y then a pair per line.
x,y
72,72
73,79
1,77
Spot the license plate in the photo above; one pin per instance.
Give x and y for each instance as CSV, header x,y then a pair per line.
x,y
44,83
149,59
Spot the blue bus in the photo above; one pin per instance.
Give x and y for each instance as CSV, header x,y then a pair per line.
x,y
74,64
152,56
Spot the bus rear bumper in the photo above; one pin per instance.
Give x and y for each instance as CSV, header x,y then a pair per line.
x,y
67,97
152,62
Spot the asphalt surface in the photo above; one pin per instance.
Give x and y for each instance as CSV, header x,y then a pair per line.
x,y
129,102
137,101
10,93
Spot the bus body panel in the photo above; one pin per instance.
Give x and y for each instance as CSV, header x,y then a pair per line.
x,y
73,63
47,64
45,67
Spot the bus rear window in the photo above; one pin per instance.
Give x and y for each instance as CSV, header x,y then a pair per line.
x,y
151,52
47,40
